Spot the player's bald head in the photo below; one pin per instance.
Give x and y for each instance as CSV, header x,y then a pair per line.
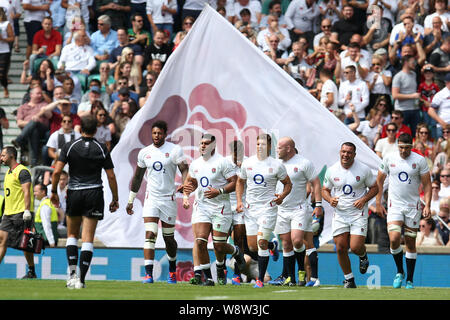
x,y
287,141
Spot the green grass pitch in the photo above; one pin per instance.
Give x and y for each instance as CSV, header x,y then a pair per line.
x,y
14,289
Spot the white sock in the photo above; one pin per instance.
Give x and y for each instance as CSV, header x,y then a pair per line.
x,y
348,276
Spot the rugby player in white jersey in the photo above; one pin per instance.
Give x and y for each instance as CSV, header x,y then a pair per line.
x,y
345,188
213,177
236,158
295,214
407,171
160,160
261,174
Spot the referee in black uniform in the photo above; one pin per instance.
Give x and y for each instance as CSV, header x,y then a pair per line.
x,y
86,158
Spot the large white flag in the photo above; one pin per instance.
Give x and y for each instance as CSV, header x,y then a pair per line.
x,y
218,81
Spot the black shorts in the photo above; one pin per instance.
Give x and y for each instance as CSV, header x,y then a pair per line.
x,y
87,203
14,225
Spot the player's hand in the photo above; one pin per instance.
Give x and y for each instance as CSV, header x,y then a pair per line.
x,y
334,202
130,208
318,212
114,205
381,210
240,207
55,199
180,188
211,193
279,199
186,203
426,212
359,204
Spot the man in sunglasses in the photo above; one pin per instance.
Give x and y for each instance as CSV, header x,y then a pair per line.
x,y
407,171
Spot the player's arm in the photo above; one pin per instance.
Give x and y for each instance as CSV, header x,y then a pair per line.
x,y
381,210
318,211
326,195
240,185
230,187
114,205
426,183
55,180
135,185
184,169
286,190
189,186
373,191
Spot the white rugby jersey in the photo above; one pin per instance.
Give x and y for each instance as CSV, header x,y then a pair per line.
x,y
348,184
404,178
261,177
300,170
161,164
212,173
233,198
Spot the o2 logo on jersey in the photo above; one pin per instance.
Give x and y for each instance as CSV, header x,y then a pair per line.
x,y
204,182
348,189
259,179
158,166
404,177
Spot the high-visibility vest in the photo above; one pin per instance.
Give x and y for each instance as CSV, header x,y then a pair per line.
x,y
14,196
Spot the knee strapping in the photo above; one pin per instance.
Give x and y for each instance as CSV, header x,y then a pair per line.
x,y
410,233
218,239
151,227
168,232
394,228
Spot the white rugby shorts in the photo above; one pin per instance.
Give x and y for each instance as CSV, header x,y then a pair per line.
x,y
354,222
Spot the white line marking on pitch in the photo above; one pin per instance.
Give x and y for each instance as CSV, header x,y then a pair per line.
x,y
213,298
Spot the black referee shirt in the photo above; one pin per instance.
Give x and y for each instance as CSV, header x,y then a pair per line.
x,y
86,158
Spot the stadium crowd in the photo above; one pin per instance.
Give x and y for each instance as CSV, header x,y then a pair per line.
x,y
382,67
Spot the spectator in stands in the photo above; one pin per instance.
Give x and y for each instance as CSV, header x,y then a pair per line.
x,y
84,108
435,199
417,27
122,113
359,8
78,24
427,89
161,14
192,8
443,213
433,39
56,110
150,79
300,16
274,10
59,94
441,7
428,234
347,26
137,34
408,36
354,58
274,28
78,58
60,137
105,92
440,62
47,43
104,40
188,21
329,93
377,35
254,6
34,13
383,104
103,133
76,9
325,26
440,106
34,128
116,53
45,71
70,89
6,40
397,118
387,145
296,64
273,52
122,83
353,91
422,134
138,7
4,124
129,67
378,80
16,13
105,81
155,66
445,183
117,10
157,49
404,91
441,158
371,127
